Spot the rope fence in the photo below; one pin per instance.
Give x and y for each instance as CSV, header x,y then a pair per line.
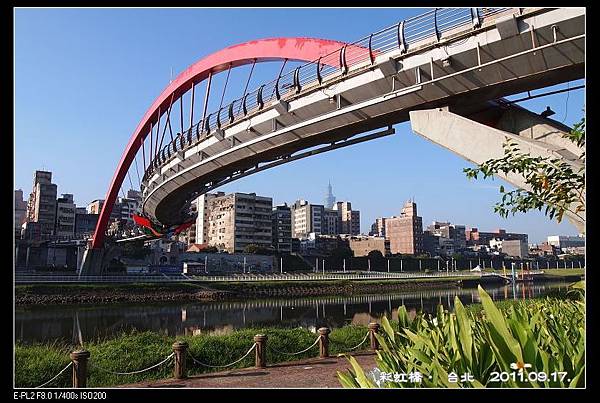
x,y
132,372
221,366
361,343
299,352
55,376
79,359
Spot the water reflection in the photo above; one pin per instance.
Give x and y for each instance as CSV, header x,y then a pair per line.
x,y
74,323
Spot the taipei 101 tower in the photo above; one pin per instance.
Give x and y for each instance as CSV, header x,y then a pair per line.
x,y
329,200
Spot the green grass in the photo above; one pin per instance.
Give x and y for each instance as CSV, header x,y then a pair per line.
x,y
563,272
36,364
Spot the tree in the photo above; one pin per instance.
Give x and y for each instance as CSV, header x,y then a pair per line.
x,y
258,250
251,248
375,255
554,183
341,252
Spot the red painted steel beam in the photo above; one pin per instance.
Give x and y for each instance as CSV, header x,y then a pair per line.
x,y
262,50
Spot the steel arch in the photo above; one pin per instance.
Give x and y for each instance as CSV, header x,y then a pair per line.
x,y
262,50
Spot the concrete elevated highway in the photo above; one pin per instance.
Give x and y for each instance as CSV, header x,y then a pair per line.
x,y
447,71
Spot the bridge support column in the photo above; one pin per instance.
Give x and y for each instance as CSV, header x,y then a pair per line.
x,y
92,263
477,142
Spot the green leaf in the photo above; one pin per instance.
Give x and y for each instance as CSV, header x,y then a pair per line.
x,y
499,326
464,330
360,376
347,380
385,323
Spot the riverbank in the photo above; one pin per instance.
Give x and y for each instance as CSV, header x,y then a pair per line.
x,y
225,291
49,294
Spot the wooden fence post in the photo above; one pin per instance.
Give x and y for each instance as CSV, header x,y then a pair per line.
x,y
261,349
180,350
373,329
324,342
80,359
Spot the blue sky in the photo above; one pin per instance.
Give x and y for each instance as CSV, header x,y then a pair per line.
x,y
85,77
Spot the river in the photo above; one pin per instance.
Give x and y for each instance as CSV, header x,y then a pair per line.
x,y
69,323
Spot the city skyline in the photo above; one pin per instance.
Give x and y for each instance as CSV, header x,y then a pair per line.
x,y
329,187
376,176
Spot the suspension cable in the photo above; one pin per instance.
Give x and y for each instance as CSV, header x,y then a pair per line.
x,y
165,128
143,154
225,87
137,170
279,76
246,87
130,182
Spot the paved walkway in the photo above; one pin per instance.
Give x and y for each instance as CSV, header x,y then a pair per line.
x,y
311,373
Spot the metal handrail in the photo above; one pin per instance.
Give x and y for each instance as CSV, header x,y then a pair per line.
x,y
416,29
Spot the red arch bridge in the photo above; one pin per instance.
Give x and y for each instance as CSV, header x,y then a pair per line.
x,y
446,71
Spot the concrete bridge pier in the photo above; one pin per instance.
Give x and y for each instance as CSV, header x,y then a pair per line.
x,y
92,262
479,133
96,260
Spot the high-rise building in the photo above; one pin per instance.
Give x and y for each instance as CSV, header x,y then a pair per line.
x,y
406,231
20,211
41,207
85,223
65,216
450,236
240,219
378,227
198,232
330,222
348,219
329,200
306,218
281,218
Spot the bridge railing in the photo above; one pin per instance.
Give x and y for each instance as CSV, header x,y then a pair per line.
x,y
433,25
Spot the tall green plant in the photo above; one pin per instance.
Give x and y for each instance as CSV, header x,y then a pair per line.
x,y
540,336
